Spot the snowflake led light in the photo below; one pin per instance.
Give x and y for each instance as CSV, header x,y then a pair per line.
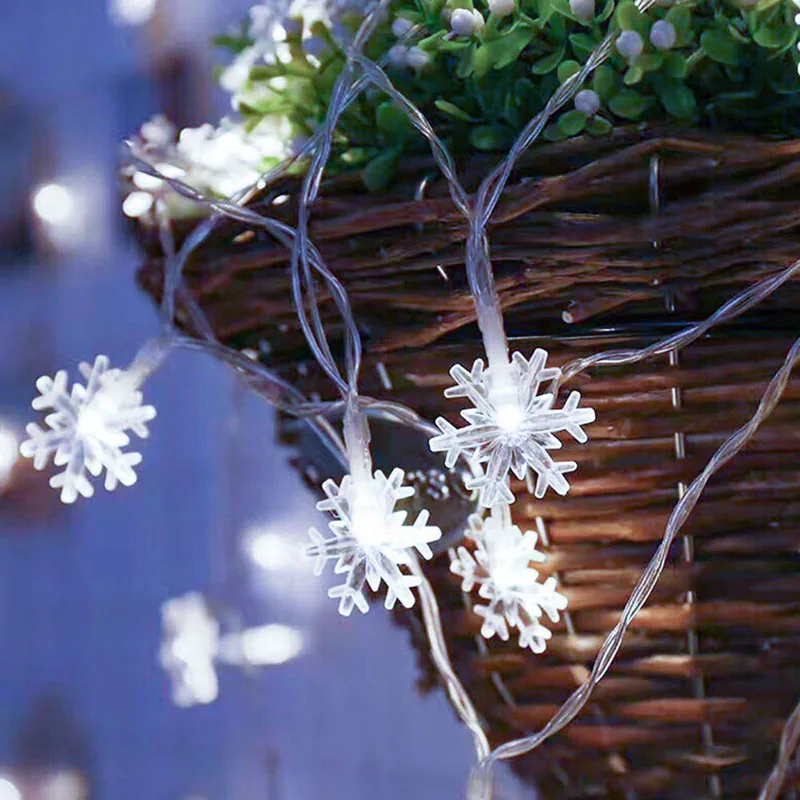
x,y
88,428
191,645
511,426
370,541
500,567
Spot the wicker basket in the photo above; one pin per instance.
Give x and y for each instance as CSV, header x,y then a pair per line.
x,y
595,244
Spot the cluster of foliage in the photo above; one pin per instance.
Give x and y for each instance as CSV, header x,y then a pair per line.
x,y
727,63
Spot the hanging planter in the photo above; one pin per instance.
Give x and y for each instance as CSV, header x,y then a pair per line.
x,y
576,290
597,245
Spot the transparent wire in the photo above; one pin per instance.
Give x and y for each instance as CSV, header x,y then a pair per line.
x,y
441,658
786,752
733,308
480,786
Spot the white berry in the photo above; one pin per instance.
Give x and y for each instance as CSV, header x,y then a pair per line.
x,y
663,35
582,9
588,102
629,45
502,8
401,26
466,23
417,58
398,55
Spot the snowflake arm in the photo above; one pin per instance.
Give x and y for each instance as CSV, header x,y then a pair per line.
x,y
500,568
511,427
87,428
370,541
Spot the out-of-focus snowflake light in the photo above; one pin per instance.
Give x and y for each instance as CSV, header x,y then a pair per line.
x,y
87,428
501,568
190,647
370,541
511,426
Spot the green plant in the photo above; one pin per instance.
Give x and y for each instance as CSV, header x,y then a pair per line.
x,y
705,62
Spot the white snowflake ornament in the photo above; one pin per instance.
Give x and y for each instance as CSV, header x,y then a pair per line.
x,y
511,427
191,643
88,428
500,567
370,541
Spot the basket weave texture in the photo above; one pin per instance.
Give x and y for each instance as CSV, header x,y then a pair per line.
x,y
596,244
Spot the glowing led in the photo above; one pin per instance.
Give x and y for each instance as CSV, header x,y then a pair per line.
x,y
370,540
189,649
66,785
9,454
272,552
500,566
512,426
53,204
8,791
87,428
270,644
131,12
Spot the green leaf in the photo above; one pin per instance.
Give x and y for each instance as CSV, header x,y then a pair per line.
x,y
553,133
720,47
629,18
501,52
773,38
236,44
680,17
650,62
355,156
604,81
545,8
432,42
512,45
483,58
263,72
582,44
486,138
390,119
549,62
633,75
674,65
678,99
607,11
452,110
379,172
628,104
562,7
566,69
598,126
571,123
464,66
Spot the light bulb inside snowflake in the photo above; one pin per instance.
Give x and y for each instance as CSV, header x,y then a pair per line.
x,y
370,541
87,428
369,525
501,568
511,426
91,424
509,415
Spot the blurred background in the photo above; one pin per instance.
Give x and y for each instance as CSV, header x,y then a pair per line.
x,y
85,708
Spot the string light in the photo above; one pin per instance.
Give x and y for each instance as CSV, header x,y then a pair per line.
x,y
9,454
270,644
54,203
8,790
131,12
